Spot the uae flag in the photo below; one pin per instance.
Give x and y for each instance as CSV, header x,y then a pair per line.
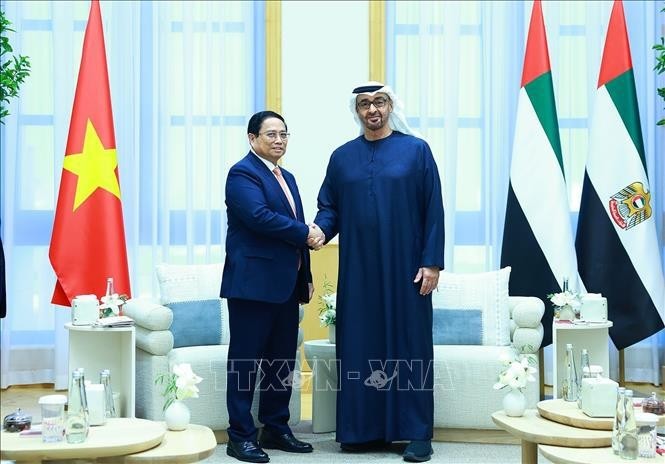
x,y
617,247
88,241
537,235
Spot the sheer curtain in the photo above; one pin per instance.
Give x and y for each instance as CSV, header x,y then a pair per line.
x,y
183,75
458,66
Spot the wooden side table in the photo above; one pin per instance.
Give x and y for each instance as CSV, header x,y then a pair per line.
x,y
97,348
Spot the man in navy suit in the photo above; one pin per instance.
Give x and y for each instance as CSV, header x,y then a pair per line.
x,y
266,275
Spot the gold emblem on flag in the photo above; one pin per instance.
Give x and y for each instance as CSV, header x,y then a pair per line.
x,y
630,205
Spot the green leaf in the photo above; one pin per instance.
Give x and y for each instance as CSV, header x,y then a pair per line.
x,y
13,70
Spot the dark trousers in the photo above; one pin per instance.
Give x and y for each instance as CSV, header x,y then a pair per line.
x,y
264,338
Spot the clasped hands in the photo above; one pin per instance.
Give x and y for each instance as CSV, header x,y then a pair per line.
x,y
315,238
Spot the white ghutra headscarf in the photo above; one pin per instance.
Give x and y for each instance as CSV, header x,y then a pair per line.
x,y
396,120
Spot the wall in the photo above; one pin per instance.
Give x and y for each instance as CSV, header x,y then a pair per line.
x,y
325,54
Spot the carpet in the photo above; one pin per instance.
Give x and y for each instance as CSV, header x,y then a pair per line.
x,y
326,451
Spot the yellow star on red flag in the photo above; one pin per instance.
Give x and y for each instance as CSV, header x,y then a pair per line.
x,y
95,167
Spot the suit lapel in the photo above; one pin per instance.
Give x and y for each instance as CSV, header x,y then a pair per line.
x,y
271,182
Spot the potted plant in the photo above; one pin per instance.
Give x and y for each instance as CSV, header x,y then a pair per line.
x,y
179,384
13,69
328,310
660,67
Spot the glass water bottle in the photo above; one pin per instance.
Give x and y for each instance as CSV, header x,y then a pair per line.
x,y
628,436
619,417
585,372
109,287
109,405
77,425
571,383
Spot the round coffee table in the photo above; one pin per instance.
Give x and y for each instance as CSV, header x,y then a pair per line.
x,y
118,437
532,429
565,455
567,412
193,444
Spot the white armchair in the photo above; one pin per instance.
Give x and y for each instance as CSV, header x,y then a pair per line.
x,y
155,353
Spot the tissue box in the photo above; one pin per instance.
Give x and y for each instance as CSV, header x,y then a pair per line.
x,y
599,397
85,310
96,403
594,308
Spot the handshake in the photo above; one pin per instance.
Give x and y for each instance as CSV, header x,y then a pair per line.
x,y
316,238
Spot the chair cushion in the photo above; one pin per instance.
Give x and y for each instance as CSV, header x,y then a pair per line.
x,y
197,322
484,292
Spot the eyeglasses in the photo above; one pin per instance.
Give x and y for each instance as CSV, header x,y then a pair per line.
x,y
272,136
377,102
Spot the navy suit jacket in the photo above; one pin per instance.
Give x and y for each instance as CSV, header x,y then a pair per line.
x,y
264,241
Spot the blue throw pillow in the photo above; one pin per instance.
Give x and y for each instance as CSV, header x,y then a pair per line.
x,y
457,326
196,322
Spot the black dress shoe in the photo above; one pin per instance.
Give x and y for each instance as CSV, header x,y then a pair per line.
x,y
363,447
418,451
283,441
248,451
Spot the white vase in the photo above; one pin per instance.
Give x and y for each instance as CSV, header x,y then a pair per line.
x,y
177,416
331,333
566,313
514,403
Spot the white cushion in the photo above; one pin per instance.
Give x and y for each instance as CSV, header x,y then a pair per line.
x,y
187,282
487,291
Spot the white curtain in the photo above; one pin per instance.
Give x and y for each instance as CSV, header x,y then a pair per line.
x,y
184,76
458,65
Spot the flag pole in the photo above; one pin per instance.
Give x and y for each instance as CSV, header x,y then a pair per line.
x,y
541,372
622,369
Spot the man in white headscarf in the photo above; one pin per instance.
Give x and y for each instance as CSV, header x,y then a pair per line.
x,y
382,195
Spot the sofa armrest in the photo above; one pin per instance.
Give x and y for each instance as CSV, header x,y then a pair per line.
x,y
155,342
152,325
526,329
148,314
526,311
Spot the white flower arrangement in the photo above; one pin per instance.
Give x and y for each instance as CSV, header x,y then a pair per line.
x,y
328,311
180,384
518,370
566,304
566,298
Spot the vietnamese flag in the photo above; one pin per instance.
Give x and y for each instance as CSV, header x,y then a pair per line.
x,y
88,241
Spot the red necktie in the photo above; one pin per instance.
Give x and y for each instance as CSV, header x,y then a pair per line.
x,y
287,192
